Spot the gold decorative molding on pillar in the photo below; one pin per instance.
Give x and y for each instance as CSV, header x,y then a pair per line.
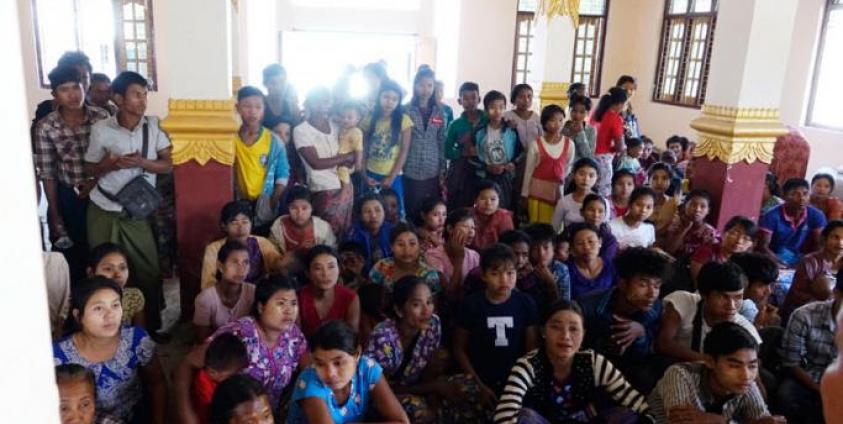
x,y
551,8
201,130
554,93
734,134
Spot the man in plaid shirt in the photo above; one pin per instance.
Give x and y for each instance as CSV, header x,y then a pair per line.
x,y
60,141
807,350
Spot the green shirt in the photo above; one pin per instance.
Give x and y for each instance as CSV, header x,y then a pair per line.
x,y
458,131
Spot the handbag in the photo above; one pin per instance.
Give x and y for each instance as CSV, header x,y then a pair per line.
x,y
138,197
546,191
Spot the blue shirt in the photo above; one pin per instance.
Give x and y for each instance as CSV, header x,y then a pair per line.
x,y
581,285
497,333
787,236
355,408
376,249
597,315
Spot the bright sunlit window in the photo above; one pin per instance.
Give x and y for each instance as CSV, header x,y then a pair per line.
x,y
824,109
115,34
303,54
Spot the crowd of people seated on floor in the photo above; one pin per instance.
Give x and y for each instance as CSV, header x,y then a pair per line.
x,y
385,261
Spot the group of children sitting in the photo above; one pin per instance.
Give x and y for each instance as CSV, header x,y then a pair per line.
x,y
562,272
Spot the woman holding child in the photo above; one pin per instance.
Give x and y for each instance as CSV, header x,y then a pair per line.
x,y
317,141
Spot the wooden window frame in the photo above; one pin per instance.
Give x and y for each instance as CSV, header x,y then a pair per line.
x,y
689,18
829,7
119,40
522,17
596,52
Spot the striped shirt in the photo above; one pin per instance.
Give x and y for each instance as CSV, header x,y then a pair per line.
x,y
60,148
808,341
592,375
686,384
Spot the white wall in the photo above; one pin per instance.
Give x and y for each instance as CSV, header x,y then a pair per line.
x,y
27,387
632,42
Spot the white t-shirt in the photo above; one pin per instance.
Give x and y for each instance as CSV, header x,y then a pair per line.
x,y
327,146
211,312
685,303
643,236
108,136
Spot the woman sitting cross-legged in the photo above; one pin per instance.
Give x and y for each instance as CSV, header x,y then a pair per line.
x,y
559,383
122,358
341,385
231,297
323,298
236,223
274,344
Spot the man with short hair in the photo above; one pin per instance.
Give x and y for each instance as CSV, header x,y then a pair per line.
x,y
807,350
78,60
721,389
61,139
114,156
99,94
792,228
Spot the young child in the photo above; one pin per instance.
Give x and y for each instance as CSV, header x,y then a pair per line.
x,y
430,223
226,355
490,219
688,317
610,134
352,263
77,396
547,162
496,326
236,224
721,388
459,148
548,272
678,145
623,182
594,213
629,159
498,148
109,260
453,258
665,205
298,231
738,236
584,176
391,205
526,122
689,231
561,247
387,135
761,273
260,158
351,139
242,399
230,298
371,230
630,229
648,156
577,128
406,260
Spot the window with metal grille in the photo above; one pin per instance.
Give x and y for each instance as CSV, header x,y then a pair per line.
x,y
588,45
685,52
823,106
117,35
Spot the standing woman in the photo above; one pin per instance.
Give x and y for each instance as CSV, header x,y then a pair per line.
x,y
274,343
425,166
387,141
610,134
342,386
122,358
317,141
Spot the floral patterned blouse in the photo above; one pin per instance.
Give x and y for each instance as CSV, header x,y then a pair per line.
x,y
133,302
385,347
384,271
272,366
118,382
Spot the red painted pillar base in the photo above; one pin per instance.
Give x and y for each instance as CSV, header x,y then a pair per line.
x,y
200,191
735,189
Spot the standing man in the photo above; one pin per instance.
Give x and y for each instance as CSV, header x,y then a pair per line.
x,y
61,139
114,157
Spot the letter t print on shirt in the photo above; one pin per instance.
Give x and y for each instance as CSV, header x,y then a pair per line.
x,y
500,324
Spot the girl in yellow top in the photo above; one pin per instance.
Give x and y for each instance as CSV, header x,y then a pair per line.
x,y
387,137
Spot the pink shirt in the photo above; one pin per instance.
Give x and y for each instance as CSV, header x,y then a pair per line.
x,y
211,312
437,258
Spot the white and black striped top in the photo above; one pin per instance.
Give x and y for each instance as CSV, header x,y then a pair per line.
x,y
593,374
